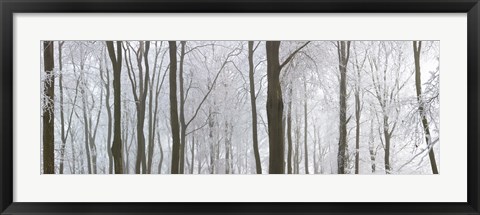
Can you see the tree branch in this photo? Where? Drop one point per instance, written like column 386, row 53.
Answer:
column 289, row 58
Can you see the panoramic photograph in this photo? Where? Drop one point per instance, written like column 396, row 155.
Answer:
column 240, row 107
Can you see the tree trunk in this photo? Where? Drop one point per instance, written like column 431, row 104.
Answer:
column 274, row 109
column 68, row 130
column 117, row 137
column 387, row 136
column 183, row 134
column 93, row 133
column 289, row 130
column 64, row 135
column 211, row 138
column 141, row 164
column 74, row 165
column 64, row 131
column 421, row 108
column 126, row 138
column 152, row 111
column 343, row 55
column 86, row 129
column 173, row 108
column 315, row 142
column 192, row 153
column 227, row 150
column 160, row 163
column 200, row 163
column 371, row 147
column 109, row 120
column 297, row 145
column 48, row 110
column 109, row 132
column 306, row 126
column 357, row 140
column 253, row 102
column 153, row 127
column 151, row 131
column 357, row 126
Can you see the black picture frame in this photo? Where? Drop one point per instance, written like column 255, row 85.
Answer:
column 9, row 7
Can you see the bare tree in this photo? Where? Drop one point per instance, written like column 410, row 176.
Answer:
column 305, row 120
column 289, row 129
column 371, row 148
column 183, row 125
column 358, row 105
column 86, row 122
column 417, row 48
column 117, row 137
column 386, row 94
column 343, row 49
column 253, row 101
column 174, row 109
column 275, row 106
column 105, row 76
column 298, row 153
column 48, row 109
column 64, row 131
column 139, row 90
column 154, row 93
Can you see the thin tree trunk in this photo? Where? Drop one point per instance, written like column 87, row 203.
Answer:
column 315, row 142
column 211, row 138
column 227, row 150
column 289, row 130
column 109, row 135
column 158, row 87
column 217, row 155
column 343, row 55
column 152, row 111
column 200, row 162
column 48, row 110
column 173, row 108
column 357, row 143
column 64, row 131
column 386, row 134
column 232, row 170
column 160, row 163
column 372, row 147
column 141, row 164
column 253, row 102
column 151, row 135
column 421, row 108
column 183, row 126
column 126, row 136
column 192, row 151
column 109, row 120
column 74, row 160
column 151, row 129
column 306, row 126
column 117, row 137
column 64, row 135
column 357, row 126
column 93, row 134
column 284, row 131
column 297, row 145
column 86, row 130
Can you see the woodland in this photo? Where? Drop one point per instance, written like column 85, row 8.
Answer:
column 240, row 107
